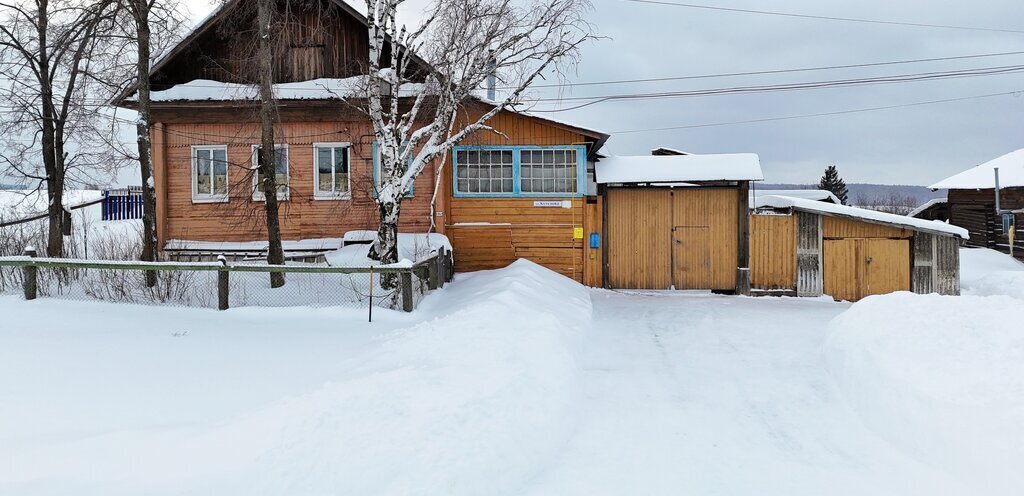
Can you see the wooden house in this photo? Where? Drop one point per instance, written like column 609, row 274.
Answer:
column 676, row 221
column 518, row 194
column 810, row 248
column 971, row 201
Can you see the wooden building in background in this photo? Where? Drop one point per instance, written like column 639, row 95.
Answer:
column 971, row 202
column 809, row 248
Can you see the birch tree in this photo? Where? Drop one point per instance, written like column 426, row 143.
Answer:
column 49, row 55
column 439, row 67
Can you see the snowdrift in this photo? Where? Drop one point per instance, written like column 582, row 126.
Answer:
column 476, row 399
column 940, row 377
column 987, row 272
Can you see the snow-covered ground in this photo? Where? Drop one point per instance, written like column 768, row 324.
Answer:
column 519, row 381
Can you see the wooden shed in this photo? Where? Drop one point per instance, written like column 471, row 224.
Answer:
column 808, row 248
column 676, row 221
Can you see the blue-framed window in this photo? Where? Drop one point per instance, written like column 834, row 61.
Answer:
column 512, row 171
column 377, row 174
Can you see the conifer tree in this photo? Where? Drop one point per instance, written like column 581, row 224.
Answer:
column 832, row 182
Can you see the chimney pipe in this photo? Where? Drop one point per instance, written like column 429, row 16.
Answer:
column 999, row 209
column 492, row 76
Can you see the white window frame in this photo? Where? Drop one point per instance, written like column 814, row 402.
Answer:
column 198, row 197
column 257, row 192
column 320, row 195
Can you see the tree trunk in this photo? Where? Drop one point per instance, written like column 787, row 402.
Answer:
column 385, row 248
column 267, row 159
column 149, row 241
column 48, row 142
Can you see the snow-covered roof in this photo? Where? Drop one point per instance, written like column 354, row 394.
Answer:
column 806, row 194
column 862, row 214
column 679, row 168
column 1011, row 174
column 316, row 89
column 930, row 203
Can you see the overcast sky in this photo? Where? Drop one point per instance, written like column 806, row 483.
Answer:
column 916, row 145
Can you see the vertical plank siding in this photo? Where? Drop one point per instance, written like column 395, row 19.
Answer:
column 706, row 247
column 947, row 265
column 773, row 252
column 639, row 238
column 593, row 262
column 925, row 273
column 808, row 255
column 840, row 228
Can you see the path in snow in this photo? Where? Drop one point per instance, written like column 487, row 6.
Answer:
column 695, row 394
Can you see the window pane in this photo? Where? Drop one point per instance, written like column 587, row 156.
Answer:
column 341, row 183
column 203, row 168
column 341, row 160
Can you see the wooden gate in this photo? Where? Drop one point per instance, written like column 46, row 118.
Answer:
column 860, row 267
column 684, row 238
column 773, row 252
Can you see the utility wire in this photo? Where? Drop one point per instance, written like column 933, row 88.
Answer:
column 890, row 79
column 827, row 18
column 820, row 114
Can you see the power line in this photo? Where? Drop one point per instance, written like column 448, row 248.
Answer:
column 828, row 18
column 890, row 79
column 820, row 114
column 776, row 71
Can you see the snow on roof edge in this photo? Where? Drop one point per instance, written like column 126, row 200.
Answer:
column 1011, row 174
column 926, row 205
column 865, row 215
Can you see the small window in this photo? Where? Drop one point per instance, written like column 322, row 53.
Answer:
column 377, row 175
column 485, row 171
column 280, row 172
column 331, row 171
column 209, row 174
column 548, row 171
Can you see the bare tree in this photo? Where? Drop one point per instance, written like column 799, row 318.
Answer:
column 267, row 156
column 142, row 15
column 439, row 66
column 50, row 54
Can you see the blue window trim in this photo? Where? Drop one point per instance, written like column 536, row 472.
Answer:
column 376, row 166
column 581, row 172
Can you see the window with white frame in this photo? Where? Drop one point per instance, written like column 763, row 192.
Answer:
column 209, row 173
column 518, row 170
column 485, row 171
column 280, row 172
column 331, row 170
column 548, row 171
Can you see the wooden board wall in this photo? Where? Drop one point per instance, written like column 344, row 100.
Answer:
column 974, row 210
column 773, row 252
column 302, row 216
column 639, row 237
column 859, row 267
column 936, row 264
column 709, row 215
column 841, row 228
column 661, row 237
column 593, row 261
column 490, row 233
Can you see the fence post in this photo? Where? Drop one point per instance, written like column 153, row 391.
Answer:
column 407, row 303
column 433, row 274
column 222, row 283
column 441, row 277
column 30, row 272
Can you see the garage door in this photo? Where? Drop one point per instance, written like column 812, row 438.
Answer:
column 660, row 238
column 857, row 268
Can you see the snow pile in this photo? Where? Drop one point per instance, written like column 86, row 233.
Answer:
column 412, row 248
column 1011, row 174
column 940, row 377
column 15, row 204
column 475, row 400
column 985, row 272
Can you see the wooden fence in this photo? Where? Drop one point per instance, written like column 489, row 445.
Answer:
column 435, row 270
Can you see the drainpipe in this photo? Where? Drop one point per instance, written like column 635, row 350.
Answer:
column 999, row 210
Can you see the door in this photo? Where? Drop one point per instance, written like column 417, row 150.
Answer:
column 691, row 257
column 857, row 268
column 639, row 238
